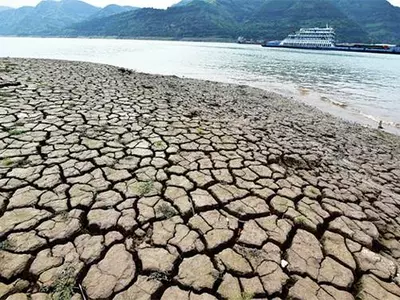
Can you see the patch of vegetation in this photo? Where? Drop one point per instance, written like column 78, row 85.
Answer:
column 4, row 245
column 159, row 145
column 63, row 287
column 143, row 188
column 243, row 296
column 200, row 131
column 7, row 162
column 301, row 220
column 16, row 132
column 167, row 210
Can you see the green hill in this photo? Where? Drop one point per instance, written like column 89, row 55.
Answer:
column 110, row 10
column 354, row 20
column 197, row 19
column 261, row 19
column 378, row 17
column 52, row 17
column 276, row 18
column 47, row 18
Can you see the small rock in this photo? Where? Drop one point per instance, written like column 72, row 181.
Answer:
column 284, row 263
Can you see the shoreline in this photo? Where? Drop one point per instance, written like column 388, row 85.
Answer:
column 324, row 100
column 169, row 39
column 163, row 187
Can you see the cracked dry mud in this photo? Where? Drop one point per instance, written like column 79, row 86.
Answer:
column 121, row 185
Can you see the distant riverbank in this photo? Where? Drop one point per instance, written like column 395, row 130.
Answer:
column 138, row 38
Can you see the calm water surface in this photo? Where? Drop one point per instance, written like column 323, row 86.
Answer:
column 360, row 87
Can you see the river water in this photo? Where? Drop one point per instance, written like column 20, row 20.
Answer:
column 360, row 87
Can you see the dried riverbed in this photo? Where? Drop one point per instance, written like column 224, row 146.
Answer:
column 121, row 185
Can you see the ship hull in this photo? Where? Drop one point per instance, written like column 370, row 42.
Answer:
column 336, row 48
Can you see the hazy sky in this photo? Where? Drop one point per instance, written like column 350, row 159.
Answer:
column 140, row 3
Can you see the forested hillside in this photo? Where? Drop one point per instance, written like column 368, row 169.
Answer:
column 354, row 20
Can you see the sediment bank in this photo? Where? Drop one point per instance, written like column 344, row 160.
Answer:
column 121, row 185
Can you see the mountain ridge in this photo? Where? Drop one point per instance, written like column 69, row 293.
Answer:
column 257, row 19
column 112, row 9
column 354, row 20
column 46, row 18
column 52, row 18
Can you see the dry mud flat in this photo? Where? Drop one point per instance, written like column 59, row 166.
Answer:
column 119, row 185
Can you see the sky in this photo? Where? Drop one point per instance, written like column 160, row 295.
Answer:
column 139, row 3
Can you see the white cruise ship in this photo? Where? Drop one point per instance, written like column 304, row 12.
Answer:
column 325, row 39
column 311, row 38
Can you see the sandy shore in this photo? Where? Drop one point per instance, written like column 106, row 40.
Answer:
column 121, row 185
